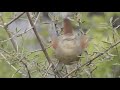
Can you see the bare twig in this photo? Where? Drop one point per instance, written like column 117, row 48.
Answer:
column 29, row 75
column 93, row 70
column 89, row 62
column 15, row 73
column 39, row 50
column 14, row 19
column 37, row 18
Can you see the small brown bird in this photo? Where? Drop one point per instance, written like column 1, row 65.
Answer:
column 69, row 46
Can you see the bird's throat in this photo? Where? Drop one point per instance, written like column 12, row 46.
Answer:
column 67, row 27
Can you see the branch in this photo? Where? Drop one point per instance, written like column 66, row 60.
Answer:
column 89, row 62
column 38, row 38
column 40, row 42
column 12, row 65
column 14, row 19
column 16, row 35
column 29, row 75
column 9, row 34
column 28, row 72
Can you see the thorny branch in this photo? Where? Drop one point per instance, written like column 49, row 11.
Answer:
column 42, row 46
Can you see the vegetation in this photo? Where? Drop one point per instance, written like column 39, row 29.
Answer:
column 23, row 55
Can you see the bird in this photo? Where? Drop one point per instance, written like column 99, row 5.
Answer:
column 69, row 46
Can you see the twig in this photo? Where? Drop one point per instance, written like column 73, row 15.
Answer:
column 37, row 18
column 12, row 65
column 40, row 42
column 47, row 70
column 93, row 70
column 20, row 61
column 39, row 39
column 29, row 75
column 89, row 62
column 55, row 24
column 9, row 34
column 15, row 73
column 115, row 42
column 14, row 19
column 40, row 49
column 16, row 35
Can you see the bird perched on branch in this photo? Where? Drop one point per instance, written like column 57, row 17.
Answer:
column 69, row 46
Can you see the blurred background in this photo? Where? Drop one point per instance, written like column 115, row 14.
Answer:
column 102, row 27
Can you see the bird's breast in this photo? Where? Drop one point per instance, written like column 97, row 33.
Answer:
column 68, row 50
column 68, row 47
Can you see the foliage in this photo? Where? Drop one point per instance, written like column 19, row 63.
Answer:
column 29, row 56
